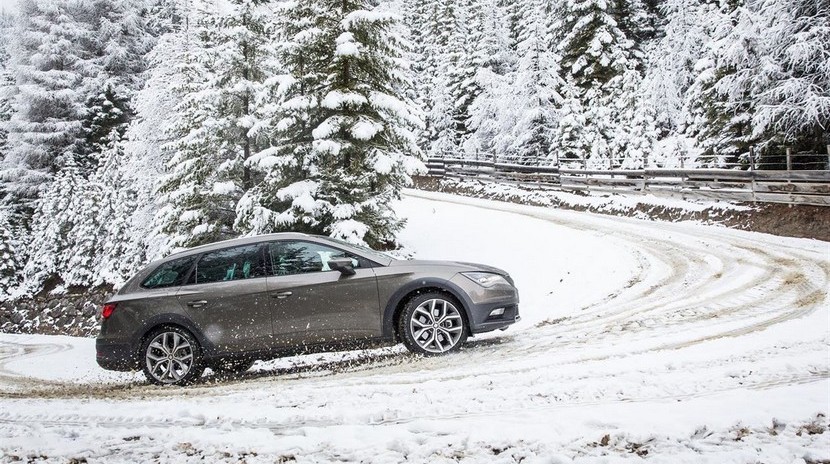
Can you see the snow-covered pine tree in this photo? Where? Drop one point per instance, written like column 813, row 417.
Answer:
column 538, row 88
column 10, row 271
column 78, row 63
column 445, row 83
column 343, row 146
column 638, row 20
column 50, row 68
column 792, row 84
column 725, row 84
column 571, row 136
column 516, row 115
column 6, row 82
column 416, row 16
column 7, row 90
column 464, row 64
column 107, row 115
column 105, row 251
column 11, row 255
column 496, row 61
column 122, row 249
column 671, row 60
column 50, row 247
column 493, row 49
column 281, row 198
column 593, row 48
column 168, row 16
column 54, row 61
column 170, row 70
column 108, row 198
column 513, row 13
column 216, row 122
column 595, row 53
column 635, row 136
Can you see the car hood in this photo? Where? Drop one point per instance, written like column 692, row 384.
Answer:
column 462, row 266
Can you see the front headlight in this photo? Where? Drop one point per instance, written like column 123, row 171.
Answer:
column 486, row 279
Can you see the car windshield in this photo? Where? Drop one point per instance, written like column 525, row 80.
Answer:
column 373, row 254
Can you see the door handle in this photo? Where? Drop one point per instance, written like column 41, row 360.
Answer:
column 281, row 295
column 197, row 303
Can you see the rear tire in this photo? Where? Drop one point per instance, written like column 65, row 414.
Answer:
column 432, row 324
column 171, row 356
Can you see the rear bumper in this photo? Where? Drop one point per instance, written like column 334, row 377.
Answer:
column 115, row 356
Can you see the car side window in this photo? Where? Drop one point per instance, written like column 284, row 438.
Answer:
column 243, row 262
column 297, row 257
column 169, row 274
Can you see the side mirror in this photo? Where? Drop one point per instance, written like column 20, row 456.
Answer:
column 344, row 265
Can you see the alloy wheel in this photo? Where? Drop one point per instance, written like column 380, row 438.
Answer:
column 436, row 325
column 169, row 357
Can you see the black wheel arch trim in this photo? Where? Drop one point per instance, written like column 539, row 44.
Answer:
column 388, row 327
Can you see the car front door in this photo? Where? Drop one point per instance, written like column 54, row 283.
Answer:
column 312, row 303
column 227, row 298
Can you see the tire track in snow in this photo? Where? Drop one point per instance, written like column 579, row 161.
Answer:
column 662, row 296
column 292, row 425
column 15, row 352
column 692, row 288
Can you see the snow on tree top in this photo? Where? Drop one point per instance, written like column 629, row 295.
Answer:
column 346, row 45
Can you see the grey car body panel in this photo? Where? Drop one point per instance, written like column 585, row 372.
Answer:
column 325, row 309
column 236, row 314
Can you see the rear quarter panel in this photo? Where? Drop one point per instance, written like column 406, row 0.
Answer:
column 138, row 312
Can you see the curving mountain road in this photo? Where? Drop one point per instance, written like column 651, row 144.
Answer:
column 670, row 338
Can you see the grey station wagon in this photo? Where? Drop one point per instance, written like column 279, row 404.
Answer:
column 224, row 305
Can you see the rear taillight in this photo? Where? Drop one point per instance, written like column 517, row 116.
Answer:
column 108, row 309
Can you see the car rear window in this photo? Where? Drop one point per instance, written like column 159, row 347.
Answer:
column 243, row 262
column 169, row 274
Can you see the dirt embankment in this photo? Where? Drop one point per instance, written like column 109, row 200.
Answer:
column 777, row 219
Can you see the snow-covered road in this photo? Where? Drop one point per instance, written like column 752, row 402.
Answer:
column 675, row 342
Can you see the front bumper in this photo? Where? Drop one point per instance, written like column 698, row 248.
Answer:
column 115, row 356
column 481, row 321
column 481, row 301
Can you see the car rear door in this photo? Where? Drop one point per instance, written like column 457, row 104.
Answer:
column 312, row 303
column 227, row 298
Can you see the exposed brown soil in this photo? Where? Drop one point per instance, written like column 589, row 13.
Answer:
column 777, row 219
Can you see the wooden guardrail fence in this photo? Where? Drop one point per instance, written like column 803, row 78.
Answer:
column 802, row 187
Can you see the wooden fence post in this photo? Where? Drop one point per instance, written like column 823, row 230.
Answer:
column 789, row 159
column 751, row 158
column 828, row 157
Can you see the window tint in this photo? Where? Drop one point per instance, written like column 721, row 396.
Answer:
column 295, row 257
column 169, row 274
column 237, row 263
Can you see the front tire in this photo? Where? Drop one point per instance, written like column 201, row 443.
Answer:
column 171, row 356
column 432, row 324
